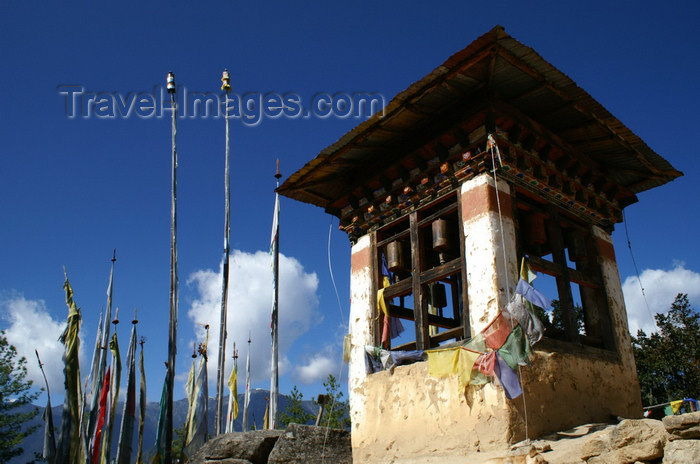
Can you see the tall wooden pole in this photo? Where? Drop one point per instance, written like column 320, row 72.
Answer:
column 172, row 339
column 219, row 417
column 275, row 250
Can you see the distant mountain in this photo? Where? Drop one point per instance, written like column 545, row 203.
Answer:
column 256, row 413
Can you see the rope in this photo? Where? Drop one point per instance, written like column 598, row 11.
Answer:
column 491, row 146
column 345, row 326
column 636, row 270
column 330, row 269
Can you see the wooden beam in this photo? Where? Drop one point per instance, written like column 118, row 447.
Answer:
column 464, row 315
column 420, row 309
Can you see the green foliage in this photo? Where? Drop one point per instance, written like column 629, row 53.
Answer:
column 15, row 391
column 668, row 362
column 555, row 324
column 337, row 412
column 294, row 411
column 179, row 440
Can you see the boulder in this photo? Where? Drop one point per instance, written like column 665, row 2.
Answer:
column 682, row 452
column 597, row 444
column 238, row 448
column 683, row 426
column 308, row 444
column 634, row 440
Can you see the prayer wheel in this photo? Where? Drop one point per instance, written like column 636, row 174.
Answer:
column 440, row 238
column 438, row 295
column 395, row 256
column 576, row 244
column 536, row 230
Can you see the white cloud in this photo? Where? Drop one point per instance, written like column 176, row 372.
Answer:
column 661, row 287
column 249, row 309
column 317, row 368
column 32, row 327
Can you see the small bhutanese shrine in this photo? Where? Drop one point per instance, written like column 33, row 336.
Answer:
column 486, row 300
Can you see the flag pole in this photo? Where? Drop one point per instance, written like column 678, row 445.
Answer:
column 142, row 403
column 49, row 451
column 274, row 382
column 232, row 412
column 219, row 416
column 246, row 397
column 172, row 340
column 102, row 363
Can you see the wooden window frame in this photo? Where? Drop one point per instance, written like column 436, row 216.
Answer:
column 587, row 275
column 452, row 271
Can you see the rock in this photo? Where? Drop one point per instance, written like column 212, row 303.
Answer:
column 228, row 461
column 684, row 426
column 307, row 444
column 682, row 452
column 597, row 445
column 231, row 448
column 634, row 440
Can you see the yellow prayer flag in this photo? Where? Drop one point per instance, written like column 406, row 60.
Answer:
column 233, row 393
column 525, row 272
column 676, row 405
column 266, row 420
column 381, row 304
column 452, row 361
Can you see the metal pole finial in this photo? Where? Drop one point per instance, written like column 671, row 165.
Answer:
column 225, row 81
column 170, row 82
column 277, row 174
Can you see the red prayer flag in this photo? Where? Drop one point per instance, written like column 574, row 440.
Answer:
column 385, row 331
column 486, row 363
column 497, row 332
column 100, row 420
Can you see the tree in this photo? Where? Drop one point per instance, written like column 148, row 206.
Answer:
column 294, row 411
column 668, row 361
column 554, row 324
column 179, row 441
column 336, row 413
column 15, row 392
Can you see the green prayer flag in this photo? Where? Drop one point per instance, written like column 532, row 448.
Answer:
column 516, row 348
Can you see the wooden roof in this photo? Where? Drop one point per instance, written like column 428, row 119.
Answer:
column 498, row 82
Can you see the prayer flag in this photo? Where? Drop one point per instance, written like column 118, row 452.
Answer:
column 457, row 361
column 246, row 397
column 516, row 349
column 486, row 363
column 496, row 333
column 68, row 449
column 198, row 434
column 525, row 272
column 104, row 393
column 232, row 413
column 142, row 407
column 507, row 378
column 101, row 365
column 532, row 295
column 190, row 392
column 274, row 326
column 49, row 453
column 676, row 405
column 266, row 419
column 160, row 432
column 114, row 395
column 521, row 310
column 476, row 343
column 126, row 431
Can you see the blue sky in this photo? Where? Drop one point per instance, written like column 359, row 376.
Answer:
column 72, row 190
